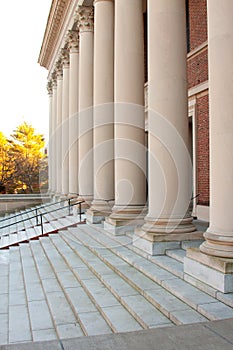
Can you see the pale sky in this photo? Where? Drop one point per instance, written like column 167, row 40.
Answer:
column 23, row 81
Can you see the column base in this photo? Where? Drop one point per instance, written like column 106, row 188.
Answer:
column 218, row 244
column 124, row 219
column 98, row 211
column 87, row 201
column 156, row 236
column 214, row 271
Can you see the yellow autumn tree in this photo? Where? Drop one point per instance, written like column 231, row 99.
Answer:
column 7, row 167
column 27, row 153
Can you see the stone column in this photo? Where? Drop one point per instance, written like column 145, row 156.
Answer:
column 213, row 264
column 59, row 130
column 130, row 153
column 50, row 174
column 103, row 113
column 86, row 30
column 170, row 169
column 73, row 38
column 53, row 135
column 65, row 123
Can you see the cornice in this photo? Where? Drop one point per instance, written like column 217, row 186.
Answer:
column 56, row 19
column 60, row 20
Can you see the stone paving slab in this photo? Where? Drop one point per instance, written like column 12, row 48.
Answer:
column 187, row 317
column 4, row 328
column 69, row 330
column 177, row 254
column 197, row 337
column 94, row 323
column 189, row 294
column 173, row 266
column 145, row 311
column 120, row 319
column 216, row 310
column 19, row 324
column 39, row 315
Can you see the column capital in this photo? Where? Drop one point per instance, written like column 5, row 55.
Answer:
column 50, row 87
column 65, row 57
column 73, row 40
column 54, row 79
column 85, row 18
column 58, row 68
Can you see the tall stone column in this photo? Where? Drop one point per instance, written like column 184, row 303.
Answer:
column 169, row 170
column 50, row 174
column 73, row 37
column 103, row 112
column 130, row 153
column 213, row 264
column 59, row 130
column 65, row 123
column 53, row 134
column 86, row 32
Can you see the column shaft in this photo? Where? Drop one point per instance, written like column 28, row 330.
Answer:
column 65, row 127
column 103, row 113
column 59, row 135
column 129, row 128
column 219, row 236
column 169, row 163
column 73, row 115
column 53, row 136
column 86, row 17
column 50, row 174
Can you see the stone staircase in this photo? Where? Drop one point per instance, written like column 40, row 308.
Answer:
column 84, row 281
column 25, row 226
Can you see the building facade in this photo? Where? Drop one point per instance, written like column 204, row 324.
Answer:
column 141, row 122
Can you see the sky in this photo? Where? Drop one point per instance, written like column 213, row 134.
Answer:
column 23, row 93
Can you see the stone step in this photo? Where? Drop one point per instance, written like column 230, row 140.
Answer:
column 88, row 316
column 143, row 285
column 4, row 296
column 189, row 294
column 34, row 232
column 64, row 321
column 19, row 322
column 105, row 296
column 177, row 254
column 39, row 313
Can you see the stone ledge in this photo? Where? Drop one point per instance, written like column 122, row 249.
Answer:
column 223, row 265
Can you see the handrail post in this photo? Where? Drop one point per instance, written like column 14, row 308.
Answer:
column 80, row 211
column 37, row 221
column 41, row 224
column 69, row 205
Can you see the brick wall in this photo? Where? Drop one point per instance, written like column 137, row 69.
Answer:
column 203, row 149
column 197, row 68
column 197, row 22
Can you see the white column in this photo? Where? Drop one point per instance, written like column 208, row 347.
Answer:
column 219, row 236
column 86, row 30
column 130, row 153
column 50, row 174
column 53, row 135
column 65, row 123
column 212, row 264
column 170, row 169
column 103, row 113
column 73, row 112
column 59, row 130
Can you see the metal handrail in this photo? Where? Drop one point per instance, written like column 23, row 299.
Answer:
column 34, row 209
column 79, row 203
